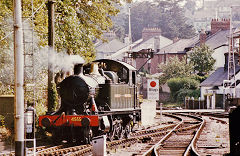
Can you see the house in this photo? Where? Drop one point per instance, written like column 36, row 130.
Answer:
column 105, row 49
column 151, row 39
column 217, row 39
column 213, row 90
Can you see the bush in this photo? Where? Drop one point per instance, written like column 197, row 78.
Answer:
column 40, row 109
column 2, row 121
column 183, row 84
column 199, row 78
column 182, row 93
column 4, row 132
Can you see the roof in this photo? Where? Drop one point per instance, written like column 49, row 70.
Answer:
column 216, row 78
column 140, row 44
column 149, row 44
column 122, row 51
column 218, row 39
column 111, row 46
column 179, row 46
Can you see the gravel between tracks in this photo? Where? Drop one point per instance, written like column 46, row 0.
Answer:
column 138, row 148
column 214, row 139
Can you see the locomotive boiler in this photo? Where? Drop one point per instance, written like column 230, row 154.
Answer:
column 100, row 98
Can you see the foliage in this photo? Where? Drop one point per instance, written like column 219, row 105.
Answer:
column 53, row 98
column 175, row 68
column 4, row 132
column 199, row 78
column 190, row 5
column 167, row 15
column 2, row 121
column 182, row 86
column 182, row 93
column 5, row 24
column 40, row 109
column 79, row 23
column 202, row 60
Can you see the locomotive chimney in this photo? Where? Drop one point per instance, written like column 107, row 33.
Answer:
column 78, row 69
column 94, row 69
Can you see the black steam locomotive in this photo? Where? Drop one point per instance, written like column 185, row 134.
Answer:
column 100, row 98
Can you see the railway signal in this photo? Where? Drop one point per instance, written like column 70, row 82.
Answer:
column 153, row 89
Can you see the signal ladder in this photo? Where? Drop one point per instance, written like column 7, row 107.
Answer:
column 29, row 70
column 231, row 58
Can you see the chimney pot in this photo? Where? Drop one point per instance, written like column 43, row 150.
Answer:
column 202, row 37
column 150, row 32
column 217, row 25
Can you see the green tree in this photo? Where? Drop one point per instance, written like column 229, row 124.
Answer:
column 202, row 60
column 5, row 25
column 181, row 87
column 167, row 15
column 77, row 24
column 175, row 68
column 190, row 5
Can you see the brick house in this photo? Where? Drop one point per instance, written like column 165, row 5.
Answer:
column 216, row 39
column 212, row 89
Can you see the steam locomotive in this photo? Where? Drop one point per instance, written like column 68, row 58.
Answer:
column 99, row 99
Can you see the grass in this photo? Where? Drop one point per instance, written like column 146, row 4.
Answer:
column 172, row 105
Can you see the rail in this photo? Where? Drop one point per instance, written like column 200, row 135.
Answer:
column 191, row 148
column 153, row 151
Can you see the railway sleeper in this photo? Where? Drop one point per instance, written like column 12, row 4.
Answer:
column 171, row 152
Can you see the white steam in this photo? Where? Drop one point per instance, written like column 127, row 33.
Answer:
column 62, row 61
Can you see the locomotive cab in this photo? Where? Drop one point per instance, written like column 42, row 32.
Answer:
column 120, row 92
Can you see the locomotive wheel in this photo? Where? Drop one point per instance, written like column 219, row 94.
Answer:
column 127, row 131
column 118, row 131
column 110, row 135
column 88, row 136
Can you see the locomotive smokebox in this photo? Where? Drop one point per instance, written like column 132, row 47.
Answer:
column 78, row 69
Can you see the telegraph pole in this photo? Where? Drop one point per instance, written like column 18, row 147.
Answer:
column 51, row 18
column 19, row 80
column 130, row 29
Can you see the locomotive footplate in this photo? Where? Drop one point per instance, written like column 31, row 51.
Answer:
column 68, row 120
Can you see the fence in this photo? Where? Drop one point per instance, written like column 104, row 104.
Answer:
column 195, row 104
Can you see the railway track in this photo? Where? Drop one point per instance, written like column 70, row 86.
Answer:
column 181, row 139
column 142, row 136
column 158, row 141
column 214, row 139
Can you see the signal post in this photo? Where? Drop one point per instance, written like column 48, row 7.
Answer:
column 19, row 80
